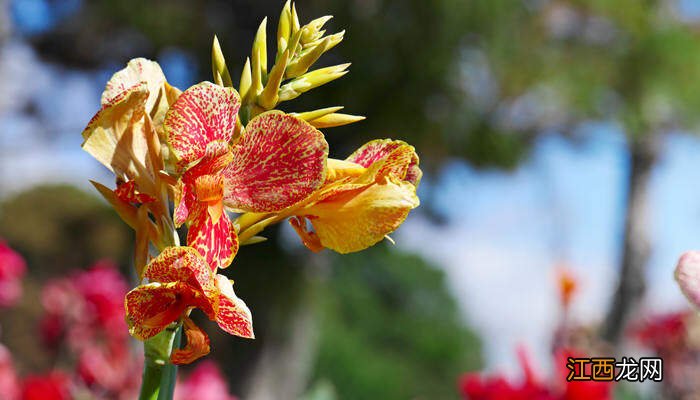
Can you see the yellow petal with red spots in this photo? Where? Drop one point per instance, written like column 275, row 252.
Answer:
column 151, row 308
column 352, row 220
column 202, row 114
column 137, row 71
column 142, row 71
column 374, row 150
column 197, row 344
column 233, row 315
column 278, row 161
column 389, row 157
column 216, row 241
column 181, row 264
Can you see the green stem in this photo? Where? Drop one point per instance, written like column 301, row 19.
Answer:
column 159, row 375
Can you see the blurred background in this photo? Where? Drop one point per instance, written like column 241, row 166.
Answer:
column 558, row 141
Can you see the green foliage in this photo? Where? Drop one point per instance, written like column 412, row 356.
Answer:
column 390, row 330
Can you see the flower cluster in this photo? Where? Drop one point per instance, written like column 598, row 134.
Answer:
column 229, row 164
column 84, row 315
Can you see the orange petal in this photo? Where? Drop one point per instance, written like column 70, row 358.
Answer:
column 151, row 308
column 197, row 344
column 233, row 315
column 210, row 191
column 202, row 114
column 308, row 237
column 278, row 161
column 216, row 241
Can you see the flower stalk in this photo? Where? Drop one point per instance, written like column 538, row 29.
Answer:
column 159, row 374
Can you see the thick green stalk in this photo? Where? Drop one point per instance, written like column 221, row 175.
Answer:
column 159, row 375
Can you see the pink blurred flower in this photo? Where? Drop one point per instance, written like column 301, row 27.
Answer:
column 9, row 383
column 204, row 382
column 12, row 269
column 85, row 307
column 85, row 315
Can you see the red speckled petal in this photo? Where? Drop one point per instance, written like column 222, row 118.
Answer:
column 216, row 156
column 233, row 315
column 181, row 264
column 202, row 114
column 185, row 202
column 217, row 241
column 278, row 161
column 127, row 192
column 150, row 308
column 197, row 344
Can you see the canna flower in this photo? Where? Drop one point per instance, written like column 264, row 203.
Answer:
column 275, row 162
column 365, row 197
column 180, row 279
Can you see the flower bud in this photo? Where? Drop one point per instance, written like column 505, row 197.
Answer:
column 688, row 276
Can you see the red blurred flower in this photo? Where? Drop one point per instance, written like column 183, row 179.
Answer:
column 662, row 332
column 12, row 269
column 204, row 382
column 474, row 386
column 52, row 386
